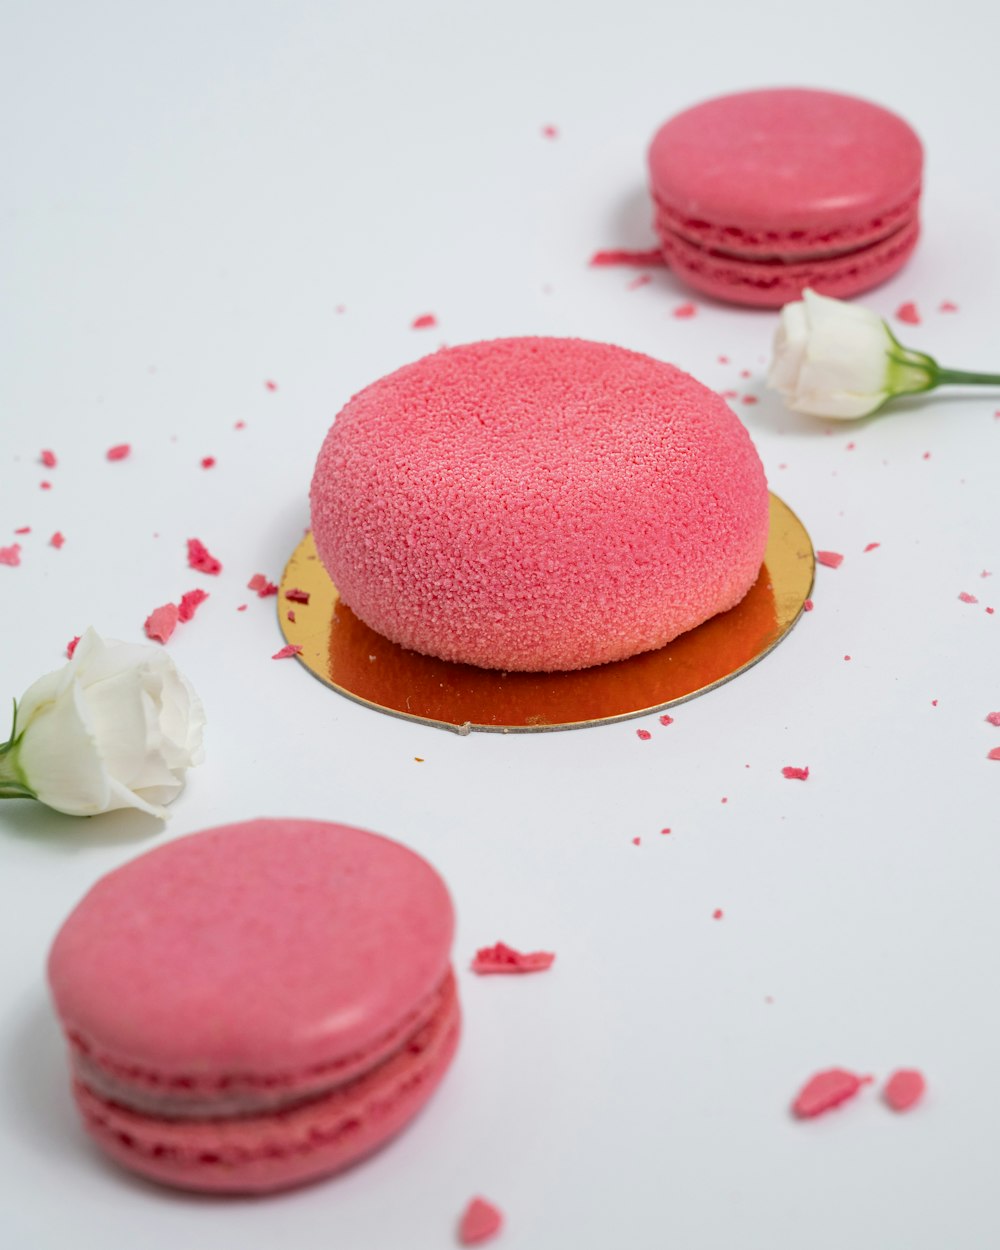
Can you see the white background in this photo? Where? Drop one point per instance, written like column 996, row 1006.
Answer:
column 189, row 193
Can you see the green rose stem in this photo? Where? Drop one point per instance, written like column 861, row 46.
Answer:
column 911, row 372
column 961, row 377
column 13, row 783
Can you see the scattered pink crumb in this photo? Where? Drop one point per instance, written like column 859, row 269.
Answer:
column 994, row 754
column 11, row 555
column 287, row 651
column 162, row 622
column 749, row 399
column 908, row 313
column 240, row 425
column 967, row 598
column 71, row 646
column 637, row 841
column 119, row 451
column 503, row 958
column 262, row 586
column 44, row 485
column 990, row 611
column 993, row 718
column 808, row 605
column 666, row 720
column 48, row 458
column 831, row 559
column 947, row 306
column 684, row 311
column 643, row 735
column 297, row 596
column 242, row 607
column 827, row 1090
column 480, row 1221
column 271, row 386
column 190, row 601
column 934, row 702
column 927, row 455
column 626, row 256
column 985, row 573
column 208, row 462
column 667, row 830
column 642, row 280
column 717, row 914
column 56, row 540
column 872, row 546
column 847, row 657
column 23, row 529
column 729, row 394
column 341, row 308
column 851, row 446
column 290, row 615
column 795, row 774
column 426, row 321
column 723, row 360
column 904, row 1089
column 201, row 559
column 550, row 132
column 724, row 800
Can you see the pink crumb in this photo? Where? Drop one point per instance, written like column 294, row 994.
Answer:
column 808, row 605
column 795, row 774
column 684, row 311
column 749, row 399
column 827, row 1090
column 666, row 720
column 872, row 546
column 119, row 451
column 287, row 652
column 189, row 603
column 11, row 555
column 48, row 458
column 262, row 586
column 44, row 485
column 643, row 735
column 271, row 386
column 290, row 615
column 724, row 800
column 729, row 394
column 71, row 646
column 201, row 559
column 994, row 754
column 967, row 598
column 993, row 718
column 208, row 462
column 904, row 1089
column 162, row 622
column 550, row 132
column 240, row 425
column 642, row 280
column 851, row 446
column 23, row 529
column 831, row 559
column 425, row 321
column 503, row 958
column 908, row 313
column 847, row 657
column 723, row 360
column 927, row 455
column 934, row 702
column 242, row 607
column 297, row 596
column 667, row 830
column 717, row 914
column 637, row 841
column 947, row 306
column 990, row 611
column 626, row 256
column 480, row 1221
column 56, row 540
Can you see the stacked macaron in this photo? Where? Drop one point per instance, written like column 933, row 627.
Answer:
column 761, row 194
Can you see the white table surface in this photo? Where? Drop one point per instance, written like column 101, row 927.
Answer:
column 190, row 193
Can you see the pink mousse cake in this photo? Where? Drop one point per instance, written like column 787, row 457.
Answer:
column 761, row 194
column 538, row 504
column 257, row 1005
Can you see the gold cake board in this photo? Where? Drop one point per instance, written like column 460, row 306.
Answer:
column 355, row 661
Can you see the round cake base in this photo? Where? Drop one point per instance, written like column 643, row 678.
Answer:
column 355, row 661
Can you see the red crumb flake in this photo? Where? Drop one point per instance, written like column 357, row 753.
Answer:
column 749, row 399
column 242, row 607
column 637, row 841
column 990, row 611
column 56, row 540
column 240, row 425
column 119, row 451
column 504, row 958
column 190, row 602
column 847, row 657
column 723, row 360
column 270, row 385
column 985, row 573
column 480, row 1221
column 904, row 1089
column 261, row 585
column 45, row 485
column 724, row 800
column 745, row 373
column 934, row 702
column 642, row 280
column 729, row 394
column 626, row 256
column 643, row 735
column 994, row 754
column 808, row 606
column 208, row 462
column 831, row 559
column 908, row 313
column 947, row 306
column 287, row 652
column 71, row 646
column 993, row 718
column 667, row 830
column 872, row 546
column 827, row 1090
column 967, row 598
column 426, row 321
column 927, row 455
column 666, row 720
column 851, row 446
column 11, row 555
column 162, row 622
column 684, row 311
column 290, row 615
column 795, row 774
column 297, row 596
column 717, row 914
column 550, row 132
column 48, row 458
column 23, row 529
column 201, row 559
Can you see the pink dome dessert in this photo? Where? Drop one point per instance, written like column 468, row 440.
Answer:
column 538, row 504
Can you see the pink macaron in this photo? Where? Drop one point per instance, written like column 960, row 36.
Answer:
column 257, row 1005
column 763, row 193
column 538, row 504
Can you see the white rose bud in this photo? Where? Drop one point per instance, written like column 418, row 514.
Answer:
column 118, row 726
column 833, row 359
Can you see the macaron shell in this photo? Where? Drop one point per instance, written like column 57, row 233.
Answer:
column 267, row 954
column 256, row 1154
